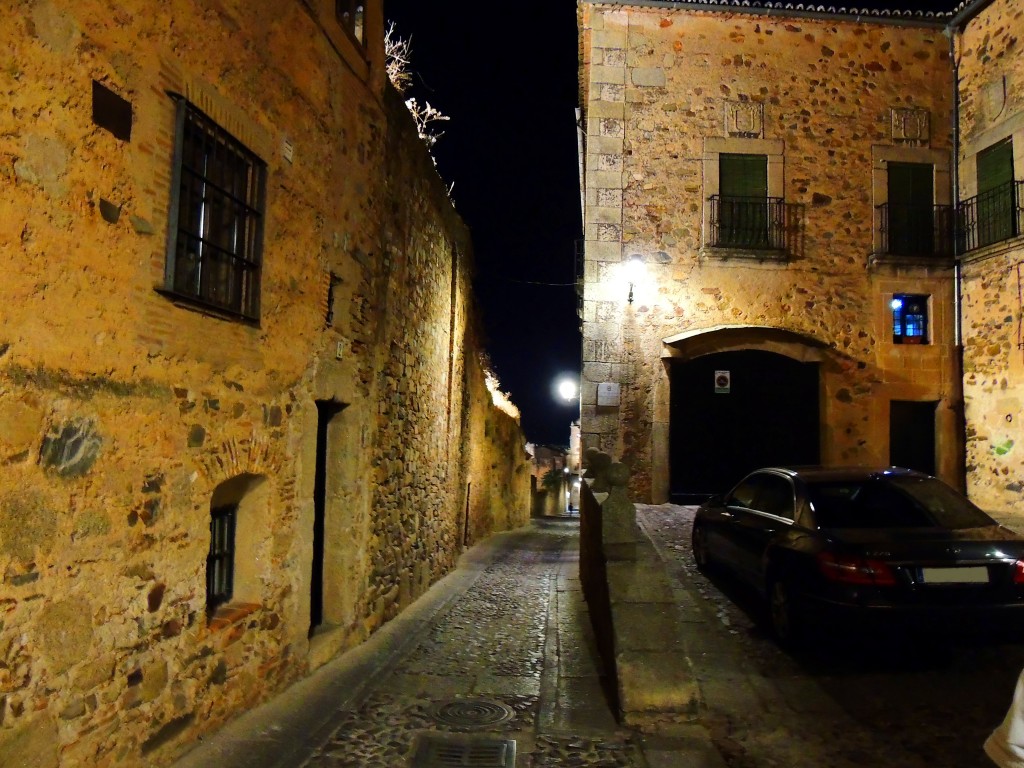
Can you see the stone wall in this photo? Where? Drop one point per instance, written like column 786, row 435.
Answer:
column 124, row 414
column 991, row 89
column 666, row 92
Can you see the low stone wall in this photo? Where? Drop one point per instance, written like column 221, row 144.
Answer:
column 632, row 608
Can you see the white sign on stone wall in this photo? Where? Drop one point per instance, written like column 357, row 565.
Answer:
column 723, row 382
column 607, row 393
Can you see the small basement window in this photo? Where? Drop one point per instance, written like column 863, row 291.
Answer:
column 220, row 562
column 909, row 319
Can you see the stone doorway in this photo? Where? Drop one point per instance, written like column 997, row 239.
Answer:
column 731, row 412
column 326, row 411
column 912, row 434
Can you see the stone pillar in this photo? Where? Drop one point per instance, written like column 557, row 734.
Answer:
column 619, row 530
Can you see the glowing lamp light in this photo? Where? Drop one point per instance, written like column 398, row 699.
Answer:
column 567, row 389
column 634, row 271
column 896, row 304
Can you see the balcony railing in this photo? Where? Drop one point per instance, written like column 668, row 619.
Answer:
column 749, row 223
column 990, row 217
column 916, row 230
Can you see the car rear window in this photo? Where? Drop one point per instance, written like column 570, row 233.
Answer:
column 893, row 501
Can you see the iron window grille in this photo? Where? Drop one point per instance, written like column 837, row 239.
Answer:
column 916, row 230
column 215, row 238
column 351, row 16
column 756, row 223
column 909, row 319
column 991, row 216
column 220, row 562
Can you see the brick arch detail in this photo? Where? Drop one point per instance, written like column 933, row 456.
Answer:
column 256, row 454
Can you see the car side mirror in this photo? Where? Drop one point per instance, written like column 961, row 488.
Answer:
column 717, row 500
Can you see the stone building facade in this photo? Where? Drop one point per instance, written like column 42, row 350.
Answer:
column 243, row 418
column 783, row 307
column 990, row 69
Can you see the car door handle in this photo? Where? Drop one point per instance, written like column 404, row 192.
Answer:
column 730, row 515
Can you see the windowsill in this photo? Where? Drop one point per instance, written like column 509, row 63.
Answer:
column 230, row 614
column 726, row 253
column 885, row 259
column 197, row 305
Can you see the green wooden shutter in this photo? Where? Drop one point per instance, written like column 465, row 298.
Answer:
column 996, row 220
column 743, row 201
column 911, row 211
column 743, row 175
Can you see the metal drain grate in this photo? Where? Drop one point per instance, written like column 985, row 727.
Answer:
column 436, row 750
column 473, row 713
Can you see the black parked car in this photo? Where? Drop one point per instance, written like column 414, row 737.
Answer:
column 864, row 548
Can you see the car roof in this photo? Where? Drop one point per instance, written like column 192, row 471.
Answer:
column 817, row 474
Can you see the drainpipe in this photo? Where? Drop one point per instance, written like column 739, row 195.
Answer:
column 951, row 31
column 579, row 151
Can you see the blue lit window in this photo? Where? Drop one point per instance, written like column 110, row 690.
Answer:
column 909, row 319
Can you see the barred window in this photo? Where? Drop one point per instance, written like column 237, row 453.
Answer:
column 220, row 562
column 217, row 209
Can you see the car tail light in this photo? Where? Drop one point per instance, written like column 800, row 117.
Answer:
column 1018, row 572
column 851, row 569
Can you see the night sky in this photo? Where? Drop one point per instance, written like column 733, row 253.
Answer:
column 507, row 77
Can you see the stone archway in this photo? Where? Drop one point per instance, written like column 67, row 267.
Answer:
column 739, row 397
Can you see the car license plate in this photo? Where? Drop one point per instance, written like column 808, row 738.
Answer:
column 965, row 575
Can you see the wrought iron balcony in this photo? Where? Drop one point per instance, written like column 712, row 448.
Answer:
column 916, row 230
column 748, row 223
column 991, row 217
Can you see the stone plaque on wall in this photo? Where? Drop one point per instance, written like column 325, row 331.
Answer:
column 993, row 98
column 744, row 119
column 608, row 394
column 911, row 125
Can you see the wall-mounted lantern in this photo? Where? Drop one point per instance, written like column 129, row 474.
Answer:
column 634, row 271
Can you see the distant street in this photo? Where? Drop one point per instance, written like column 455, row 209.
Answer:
column 850, row 707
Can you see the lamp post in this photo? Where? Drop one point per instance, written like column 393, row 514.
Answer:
column 568, row 390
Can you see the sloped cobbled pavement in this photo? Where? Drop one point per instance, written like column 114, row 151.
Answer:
column 510, row 659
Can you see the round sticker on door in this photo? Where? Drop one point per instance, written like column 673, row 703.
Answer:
column 723, row 381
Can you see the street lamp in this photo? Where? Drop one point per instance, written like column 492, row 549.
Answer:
column 568, row 390
column 634, row 271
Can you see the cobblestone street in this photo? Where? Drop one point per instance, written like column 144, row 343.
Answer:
column 501, row 651
column 481, row 666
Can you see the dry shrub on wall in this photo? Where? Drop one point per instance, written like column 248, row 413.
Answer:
column 398, row 53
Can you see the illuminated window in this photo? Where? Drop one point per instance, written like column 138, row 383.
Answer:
column 217, row 209
column 909, row 319
column 350, row 15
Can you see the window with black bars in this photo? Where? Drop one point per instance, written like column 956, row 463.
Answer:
column 909, row 319
column 220, row 562
column 351, row 17
column 217, row 213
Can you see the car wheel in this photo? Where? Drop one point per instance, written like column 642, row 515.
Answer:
column 784, row 614
column 699, row 542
